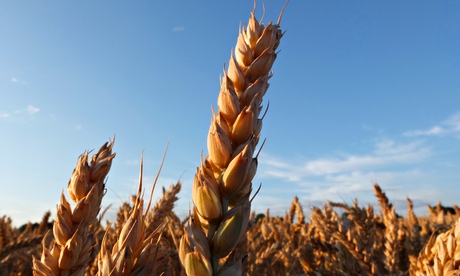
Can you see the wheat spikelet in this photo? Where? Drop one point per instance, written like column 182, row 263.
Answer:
column 163, row 207
column 223, row 182
column 73, row 242
column 395, row 255
column 136, row 252
column 296, row 210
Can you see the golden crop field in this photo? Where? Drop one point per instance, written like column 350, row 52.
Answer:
column 359, row 241
column 222, row 236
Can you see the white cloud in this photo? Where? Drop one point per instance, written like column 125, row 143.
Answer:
column 386, row 153
column 433, row 131
column 31, row 110
column 21, row 114
column 345, row 177
column 449, row 126
column 14, row 79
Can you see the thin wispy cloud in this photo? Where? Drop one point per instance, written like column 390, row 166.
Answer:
column 17, row 81
column 31, row 110
column 20, row 114
column 178, row 29
column 4, row 115
column 344, row 177
column 449, row 126
column 433, row 131
column 385, row 153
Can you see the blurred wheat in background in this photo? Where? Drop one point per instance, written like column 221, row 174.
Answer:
column 222, row 236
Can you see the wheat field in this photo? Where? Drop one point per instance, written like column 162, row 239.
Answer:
column 222, row 236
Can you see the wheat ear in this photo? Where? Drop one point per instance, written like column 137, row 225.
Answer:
column 223, row 182
column 73, row 243
column 163, row 207
column 136, row 251
column 441, row 255
column 394, row 236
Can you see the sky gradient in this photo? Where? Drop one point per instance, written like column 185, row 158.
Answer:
column 362, row 92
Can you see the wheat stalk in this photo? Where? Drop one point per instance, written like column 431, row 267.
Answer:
column 223, row 182
column 73, row 243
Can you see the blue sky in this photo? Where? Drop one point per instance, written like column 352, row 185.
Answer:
column 362, row 92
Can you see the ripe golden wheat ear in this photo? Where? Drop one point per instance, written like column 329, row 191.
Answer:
column 441, row 255
column 223, row 183
column 73, row 243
